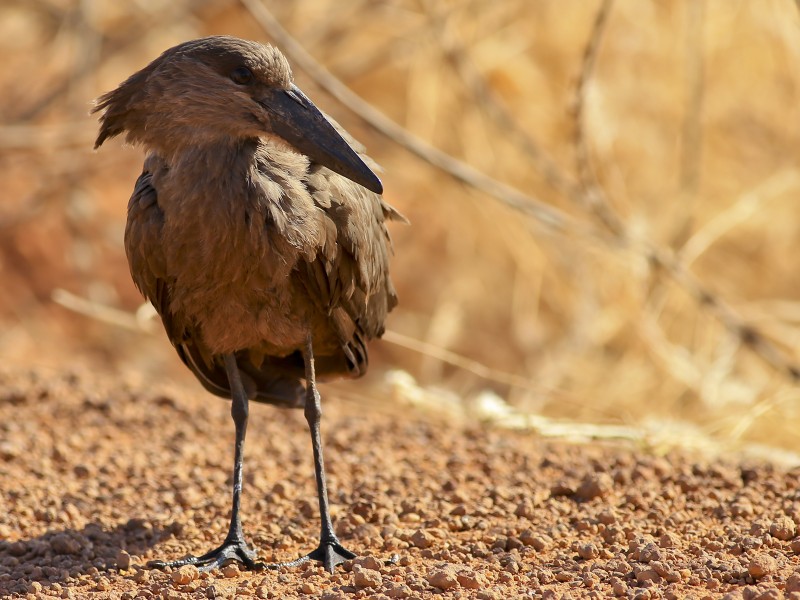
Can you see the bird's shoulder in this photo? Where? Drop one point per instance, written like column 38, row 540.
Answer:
column 144, row 242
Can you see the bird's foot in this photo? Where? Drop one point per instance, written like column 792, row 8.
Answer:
column 230, row 550
column 329, row 552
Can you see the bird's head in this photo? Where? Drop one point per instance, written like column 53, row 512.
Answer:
column 223, row 88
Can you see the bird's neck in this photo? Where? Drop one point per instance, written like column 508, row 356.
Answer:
column 205, row 185
column 253, row 192
column 215, row 169
column 214, row 159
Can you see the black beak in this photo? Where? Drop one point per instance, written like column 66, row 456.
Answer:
column 299, row 122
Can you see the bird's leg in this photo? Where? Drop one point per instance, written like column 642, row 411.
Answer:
column 329, row 552
column 234, row 547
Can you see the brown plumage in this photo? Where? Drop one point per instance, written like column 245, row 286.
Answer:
column 257, row 230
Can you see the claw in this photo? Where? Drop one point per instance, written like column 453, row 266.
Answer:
column 330, row 553
column 215, row 559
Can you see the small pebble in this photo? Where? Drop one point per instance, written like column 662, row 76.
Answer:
column 422, row 539
column 368, row 562
column 783, row 528
column 588, row 551
column 213, row 592
column 366, row 578
column 793, row 583
column 618, row 587
column 262, row 592
column 308, row 588
column 762, row 564
column 525, row 509
column 646, row 575
column 230, row 571
column 562, row 488
column 607, row 517
column 650, row 552
column 18, row 548
column 185, row 574
column 536, row 541
column 443, row 578
column 596, row 485
column 65, row 544
column 467, row 578
column 123, row 560
column 668, row 540
column 399, row 590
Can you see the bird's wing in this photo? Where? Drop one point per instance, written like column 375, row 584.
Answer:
column 349, row 276
column 144, row 248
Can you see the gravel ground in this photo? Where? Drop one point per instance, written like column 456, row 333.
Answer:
column 97, row 477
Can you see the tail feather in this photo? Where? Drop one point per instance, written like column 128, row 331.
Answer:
column 276, row 382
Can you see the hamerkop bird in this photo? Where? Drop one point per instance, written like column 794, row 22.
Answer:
column 258, row 232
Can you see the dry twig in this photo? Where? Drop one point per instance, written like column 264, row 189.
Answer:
column 462, row 362
column 593, row 197
column 101, row 312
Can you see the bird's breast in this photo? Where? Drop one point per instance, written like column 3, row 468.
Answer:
column 233, row 237
column 232, row 280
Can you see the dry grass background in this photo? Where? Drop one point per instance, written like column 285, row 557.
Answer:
column 674, row 165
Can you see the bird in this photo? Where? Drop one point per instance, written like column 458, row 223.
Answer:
column 258, row 231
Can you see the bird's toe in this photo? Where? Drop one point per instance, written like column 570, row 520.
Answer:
column 330, row 553
column 215, row 559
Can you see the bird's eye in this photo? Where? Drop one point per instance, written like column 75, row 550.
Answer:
column 242, row 75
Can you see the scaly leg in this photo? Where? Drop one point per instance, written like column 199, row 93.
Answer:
column 329, row 552
column 234, row 547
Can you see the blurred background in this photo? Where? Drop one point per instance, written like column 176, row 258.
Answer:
column 641, row 276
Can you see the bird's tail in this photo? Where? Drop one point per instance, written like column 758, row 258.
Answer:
column 273, row 382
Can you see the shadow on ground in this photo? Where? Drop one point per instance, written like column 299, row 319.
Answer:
column 59, row 557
